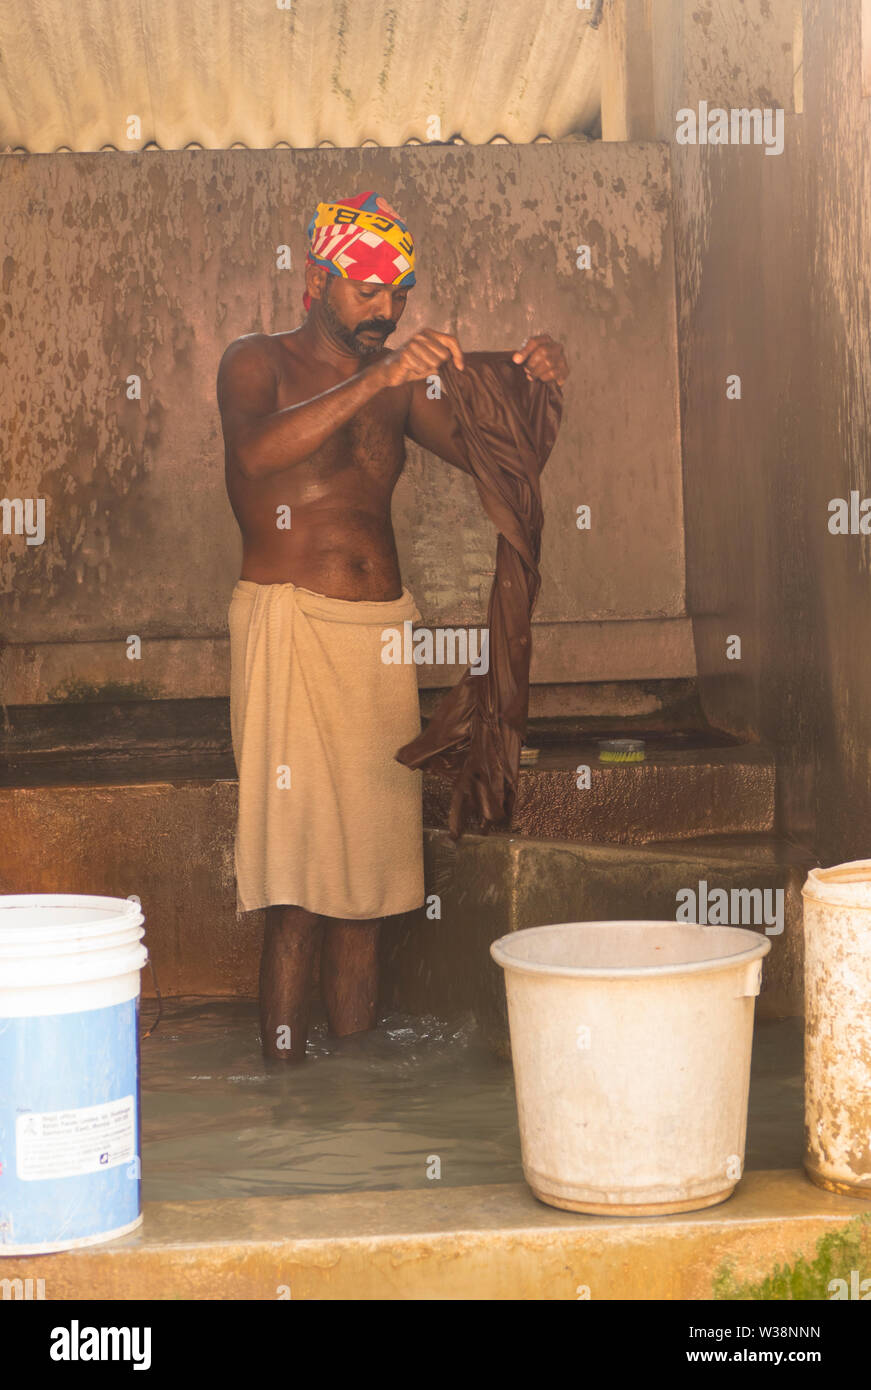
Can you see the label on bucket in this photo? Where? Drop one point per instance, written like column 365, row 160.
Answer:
column 67, row 1143
column 69, row 1126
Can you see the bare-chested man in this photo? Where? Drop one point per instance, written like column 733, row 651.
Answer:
column 314, row 421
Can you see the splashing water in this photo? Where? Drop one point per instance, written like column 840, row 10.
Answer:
column 377, row 1110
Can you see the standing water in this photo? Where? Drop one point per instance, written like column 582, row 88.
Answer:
column 370, row 1111
column 413, row 1103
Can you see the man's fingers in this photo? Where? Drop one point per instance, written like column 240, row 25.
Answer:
column 546, row 362
column 422, row 363
column 541, row 363
column 423, row 356
column 528, row 347
column 448, row 341
column 441, row 346
column 431, row 354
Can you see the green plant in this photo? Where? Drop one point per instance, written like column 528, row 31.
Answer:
column 839, row 1255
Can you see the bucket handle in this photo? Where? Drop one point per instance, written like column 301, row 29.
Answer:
column 148, row 1032
column 751, row 980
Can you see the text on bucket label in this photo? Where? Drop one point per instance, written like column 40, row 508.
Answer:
column 67, row 1143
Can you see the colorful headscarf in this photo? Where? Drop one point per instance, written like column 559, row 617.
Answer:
column 361, row 238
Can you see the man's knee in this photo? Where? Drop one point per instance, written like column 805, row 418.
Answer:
column 289, row 917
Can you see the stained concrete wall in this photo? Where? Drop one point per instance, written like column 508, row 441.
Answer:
column 774, row 283
column 150, row 264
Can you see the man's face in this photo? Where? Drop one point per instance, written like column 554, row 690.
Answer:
column 361, row 316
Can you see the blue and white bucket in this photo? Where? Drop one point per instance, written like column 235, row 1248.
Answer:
column 69, row 1070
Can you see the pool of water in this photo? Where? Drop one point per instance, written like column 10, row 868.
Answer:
column 416, row 1098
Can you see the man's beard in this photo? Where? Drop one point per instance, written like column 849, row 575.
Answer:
column 349, row 337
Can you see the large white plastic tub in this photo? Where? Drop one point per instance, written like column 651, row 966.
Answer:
column 631, row 1046
column 837, row 1021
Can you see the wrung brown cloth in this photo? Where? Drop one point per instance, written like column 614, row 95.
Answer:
column 505, row 427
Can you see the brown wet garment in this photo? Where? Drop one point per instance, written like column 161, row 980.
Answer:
column 505, row 427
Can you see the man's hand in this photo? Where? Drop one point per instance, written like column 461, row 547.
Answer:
column 421, row 356
column 543, row 359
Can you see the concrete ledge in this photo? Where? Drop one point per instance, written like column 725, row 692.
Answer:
column 445, row 1244
column 671, row 795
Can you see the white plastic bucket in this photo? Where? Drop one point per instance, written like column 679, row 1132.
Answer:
column 69, row 1070
column 631, row 1047
column 837, row 1054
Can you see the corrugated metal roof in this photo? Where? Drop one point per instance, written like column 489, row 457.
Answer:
column 219, row 73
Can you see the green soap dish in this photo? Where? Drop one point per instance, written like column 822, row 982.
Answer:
column 622, row 750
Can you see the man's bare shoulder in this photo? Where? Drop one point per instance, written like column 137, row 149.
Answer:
column 249, row 372
column 289, row 341
column 250, row 347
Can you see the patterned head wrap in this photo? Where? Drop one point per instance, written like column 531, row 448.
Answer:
column 361, row 238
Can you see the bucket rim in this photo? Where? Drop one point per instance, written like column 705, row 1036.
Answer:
column 758, row 946
column 16, row 945
column 830, row 885
column 111, row 915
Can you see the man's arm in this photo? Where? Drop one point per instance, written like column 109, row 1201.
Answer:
column 430, row 424
column 265, row 440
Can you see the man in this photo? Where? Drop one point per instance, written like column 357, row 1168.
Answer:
column 329, row 838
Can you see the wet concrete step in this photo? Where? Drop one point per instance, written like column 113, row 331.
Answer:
column 484, row 1242
column 686, row 786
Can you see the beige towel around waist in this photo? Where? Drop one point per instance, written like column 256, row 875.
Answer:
column 312, row 704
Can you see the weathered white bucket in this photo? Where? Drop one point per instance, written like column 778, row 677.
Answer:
column 631, row 1047
column 69, row 1070
column 837, row 1057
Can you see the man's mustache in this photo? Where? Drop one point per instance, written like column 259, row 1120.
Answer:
column 384, row 326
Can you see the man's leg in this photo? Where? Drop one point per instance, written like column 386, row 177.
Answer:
column 289, row 943
column 349, row 974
